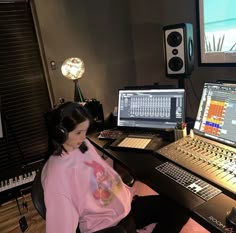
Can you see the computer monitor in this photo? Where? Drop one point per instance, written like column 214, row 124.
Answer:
column 151, row 108
column 216, row 117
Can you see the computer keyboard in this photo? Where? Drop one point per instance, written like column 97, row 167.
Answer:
column 189, row 181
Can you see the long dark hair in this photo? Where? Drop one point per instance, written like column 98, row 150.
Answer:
column 62, row 120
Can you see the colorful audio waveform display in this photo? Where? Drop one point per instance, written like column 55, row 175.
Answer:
column 214, row 118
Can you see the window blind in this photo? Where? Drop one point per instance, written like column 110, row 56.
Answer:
column 23, row 90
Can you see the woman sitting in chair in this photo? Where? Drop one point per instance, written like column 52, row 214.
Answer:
column 81, row 188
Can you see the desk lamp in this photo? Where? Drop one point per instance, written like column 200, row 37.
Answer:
column 73, row 69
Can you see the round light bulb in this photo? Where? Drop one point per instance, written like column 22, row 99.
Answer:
column 73, row 68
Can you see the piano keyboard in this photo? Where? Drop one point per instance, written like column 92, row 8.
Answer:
column 16, row 181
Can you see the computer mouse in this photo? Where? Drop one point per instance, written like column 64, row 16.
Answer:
column 231, row 216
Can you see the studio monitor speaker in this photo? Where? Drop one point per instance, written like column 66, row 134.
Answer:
column 179, row 51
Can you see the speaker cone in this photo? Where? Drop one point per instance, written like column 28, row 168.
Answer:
column 175, row 63
column 174, row 39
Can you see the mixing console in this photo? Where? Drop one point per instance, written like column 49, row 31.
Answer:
column 211, row 160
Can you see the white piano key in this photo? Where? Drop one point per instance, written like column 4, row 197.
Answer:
column 17, row 181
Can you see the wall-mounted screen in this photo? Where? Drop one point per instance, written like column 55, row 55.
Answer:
column 217, row 31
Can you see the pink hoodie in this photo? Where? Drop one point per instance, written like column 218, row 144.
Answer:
column 83, row 188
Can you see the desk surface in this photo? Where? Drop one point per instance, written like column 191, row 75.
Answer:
column 141, row 165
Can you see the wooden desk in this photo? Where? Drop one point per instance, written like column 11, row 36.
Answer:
column 141, row 165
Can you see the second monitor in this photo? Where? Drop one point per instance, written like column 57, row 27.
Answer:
column 151, row 109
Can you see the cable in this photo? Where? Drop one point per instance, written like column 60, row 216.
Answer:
column 22, row 221
column 14, row 137
column 194, row 91
column 18, row 206
column 189, row 102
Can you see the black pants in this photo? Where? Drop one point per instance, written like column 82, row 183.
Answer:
column 170, row 217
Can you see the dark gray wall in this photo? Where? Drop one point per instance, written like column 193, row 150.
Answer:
column 121, row 44
column 148, row 18
column 98, row 32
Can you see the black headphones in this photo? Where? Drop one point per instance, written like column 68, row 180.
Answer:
column 59, row 132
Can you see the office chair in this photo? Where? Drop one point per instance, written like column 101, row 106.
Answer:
column 37, row 196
